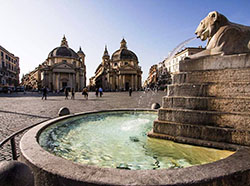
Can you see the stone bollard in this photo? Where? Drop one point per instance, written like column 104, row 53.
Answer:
column 155, row 106
column 15, row 173
column 63, row 111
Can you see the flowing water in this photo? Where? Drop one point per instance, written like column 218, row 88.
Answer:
column 119, row 140
column 179, row 47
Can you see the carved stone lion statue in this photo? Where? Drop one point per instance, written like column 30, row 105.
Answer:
column 224, row 37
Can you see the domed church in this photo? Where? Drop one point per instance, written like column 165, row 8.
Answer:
column 64, row 68
column 120, row 72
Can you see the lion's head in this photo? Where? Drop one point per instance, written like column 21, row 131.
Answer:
column 209, row 25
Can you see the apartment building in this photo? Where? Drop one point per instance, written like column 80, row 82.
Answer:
column 9, row 69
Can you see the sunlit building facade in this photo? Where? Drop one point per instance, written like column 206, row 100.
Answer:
column 9, row 69
column 172, row 64
column 120, row 72
column 63, row 68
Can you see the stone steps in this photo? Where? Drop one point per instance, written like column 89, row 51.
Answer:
column 235, row 120
column 209, row 133
column 215, row 76
column 209, row 100
column 232, row 143
column 226, row 89
column 208, row 103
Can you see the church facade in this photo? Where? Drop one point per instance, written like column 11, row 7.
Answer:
column 120, row 72
column 64, row 68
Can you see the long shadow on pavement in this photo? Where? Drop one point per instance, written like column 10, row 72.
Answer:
column 24, row 114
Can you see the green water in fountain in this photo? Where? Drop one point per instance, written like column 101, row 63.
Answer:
column 119, row 140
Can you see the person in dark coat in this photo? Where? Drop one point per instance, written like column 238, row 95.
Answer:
column 96, row 92
column 130, row 91
column 72, row 93
column 45, row 92
column 66, row 93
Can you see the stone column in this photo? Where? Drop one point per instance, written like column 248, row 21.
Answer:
column 123, row 82
column 136, row 82
column 54, row 80
column 110, row 82
column 120, row 82
column 74, row 82
column 58, row 81
column 70, row 80
column 117, row 82
column 139, row 81
column 132, row 82
column 77, row 81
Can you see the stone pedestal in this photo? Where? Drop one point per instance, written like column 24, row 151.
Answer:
column 208, row 103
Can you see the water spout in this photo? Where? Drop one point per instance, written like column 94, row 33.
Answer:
column 179, row 47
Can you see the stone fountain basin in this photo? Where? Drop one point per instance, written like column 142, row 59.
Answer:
column 52, row 170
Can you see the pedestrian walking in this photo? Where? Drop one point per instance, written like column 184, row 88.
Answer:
column 72, row 93
column 130, row 91
column 66, row 93
column 96, row 92
column 45, row 92
column 100, row 91
column 85, row 93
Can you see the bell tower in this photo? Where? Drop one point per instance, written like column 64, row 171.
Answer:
column 82, row 56
column 105, row 57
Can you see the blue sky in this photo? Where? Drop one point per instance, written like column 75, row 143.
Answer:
column 152, row 28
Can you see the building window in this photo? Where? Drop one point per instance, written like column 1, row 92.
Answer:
column 3, row 64
column 65, row 61
column 2, row 54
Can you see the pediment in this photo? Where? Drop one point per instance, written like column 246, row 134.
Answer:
column 62, row 66
column 128, row 67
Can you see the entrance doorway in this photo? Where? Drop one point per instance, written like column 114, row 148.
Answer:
column 64, row 84
column 127, row 86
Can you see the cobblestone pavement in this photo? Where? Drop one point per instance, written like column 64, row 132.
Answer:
column 20, row 110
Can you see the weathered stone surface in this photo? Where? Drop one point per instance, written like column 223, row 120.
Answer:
column 220, row 90
column 188, row 90
column 238, row 61
column 211, row 118
column 213, row 76
column 53, row 171
column 209, row 100
column 208, row 103
column 208, row 133
column 14, row 173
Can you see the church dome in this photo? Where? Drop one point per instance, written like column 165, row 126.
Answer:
column 123, row 53
column 63, row 50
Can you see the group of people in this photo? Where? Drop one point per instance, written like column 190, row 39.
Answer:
column 67, row 91
column 99, row 91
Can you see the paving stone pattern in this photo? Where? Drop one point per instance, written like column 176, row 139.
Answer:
column 19, row 110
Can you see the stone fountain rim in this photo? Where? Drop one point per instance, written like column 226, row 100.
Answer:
column 35, row 156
